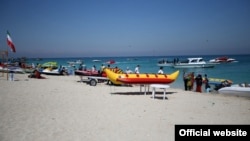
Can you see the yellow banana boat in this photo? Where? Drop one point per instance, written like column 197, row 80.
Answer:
column 145, row 78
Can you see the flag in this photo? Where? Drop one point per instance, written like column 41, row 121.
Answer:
column 10, row 43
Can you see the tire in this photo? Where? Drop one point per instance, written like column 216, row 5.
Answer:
column 92, row 82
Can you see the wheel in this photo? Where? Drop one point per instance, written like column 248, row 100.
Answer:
column 92, row 82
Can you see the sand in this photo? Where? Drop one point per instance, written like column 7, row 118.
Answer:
column 60, row 108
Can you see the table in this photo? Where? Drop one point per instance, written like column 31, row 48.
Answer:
column 145, row 87
column 160, row 86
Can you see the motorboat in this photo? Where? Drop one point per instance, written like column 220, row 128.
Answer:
column 73, row 63
column 165, row 63
column 197, row 62
column 14, row 69
column 87, row 72
column 96, row 60
column 223, row 59
column 110, row 62
column 236, row 90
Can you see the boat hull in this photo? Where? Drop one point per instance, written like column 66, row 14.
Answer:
column 141, row 78
column 165, row 64
column 235, row 91
column 194, row 65
column 11, row 69
column 87, row 72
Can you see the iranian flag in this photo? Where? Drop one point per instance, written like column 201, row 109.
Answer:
column 10, row 43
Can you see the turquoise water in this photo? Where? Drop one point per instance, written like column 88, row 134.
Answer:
column 238, row 72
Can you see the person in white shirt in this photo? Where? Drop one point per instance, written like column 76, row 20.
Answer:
column 128, row 70
column 93, row 68
column 160, row 70
column 137, row 69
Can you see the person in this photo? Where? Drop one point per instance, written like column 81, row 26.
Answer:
column 192, row 80
column 207, row 86
column 36, row 74
column 128, row 70
column 93, row 68
column 185, row 79
column 198, row 80
column 160, row 70
column 80, row 67
column 102, row 68
column 116, row 69
column 137, row 69
column 189, row 82
column 33, row 65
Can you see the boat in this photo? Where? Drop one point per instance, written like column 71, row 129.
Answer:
column 165, row 63
column 110, row 62
column 217, row 81
column 96, row 60
column 236, row 90
column 14, row 69
column 197, row 62
column 145, row 78
column 73, row 63
column 223, row 59
column 96, row 72
column 51, row 71
column 87, row 72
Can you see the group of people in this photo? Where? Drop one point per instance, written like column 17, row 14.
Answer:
column 137, row 70
column 189, row 80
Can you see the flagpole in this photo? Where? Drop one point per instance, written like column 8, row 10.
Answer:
column 7, row 54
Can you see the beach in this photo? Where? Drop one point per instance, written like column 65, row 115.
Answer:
column 60, row 108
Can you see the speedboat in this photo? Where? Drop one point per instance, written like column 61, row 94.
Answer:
column 87, row 72
column 8, row 68
column 223, row 59
column 236, row 90
column 165, row 63
column 197, row 62
column 72, row 63
column 110, row 62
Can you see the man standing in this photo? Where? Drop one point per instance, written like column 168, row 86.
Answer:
column 185, row 79
column 137, row 69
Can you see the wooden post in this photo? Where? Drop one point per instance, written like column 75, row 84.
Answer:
column 4, row 53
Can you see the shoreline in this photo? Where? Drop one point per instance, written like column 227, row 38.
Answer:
column 61, row 108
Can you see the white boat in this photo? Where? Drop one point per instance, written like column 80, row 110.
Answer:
column 197, row 62
column 12, row 69
column 96, row 60
column 72, row 63
column 236, row 90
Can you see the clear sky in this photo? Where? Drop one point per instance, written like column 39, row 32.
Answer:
column 92, row 28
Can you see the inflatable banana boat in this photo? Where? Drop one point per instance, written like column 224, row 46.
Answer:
column 145, row 78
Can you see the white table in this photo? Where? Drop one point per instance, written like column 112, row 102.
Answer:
column 160, row 86
column 145, row 87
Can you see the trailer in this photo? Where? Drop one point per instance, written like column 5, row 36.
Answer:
column 93, row 80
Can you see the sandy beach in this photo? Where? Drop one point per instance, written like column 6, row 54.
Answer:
column 59, row 108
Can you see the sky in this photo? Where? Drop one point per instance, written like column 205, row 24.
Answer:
column 103, row 28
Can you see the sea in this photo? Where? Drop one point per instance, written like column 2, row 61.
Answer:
column 237, row 72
